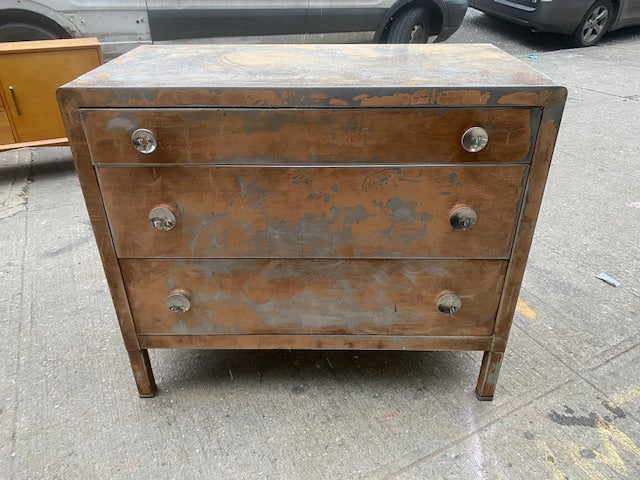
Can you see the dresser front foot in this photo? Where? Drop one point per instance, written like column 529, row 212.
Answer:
column 142, row 373
column 488, row 378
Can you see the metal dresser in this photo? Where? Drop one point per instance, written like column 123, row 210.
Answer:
column 314, row 196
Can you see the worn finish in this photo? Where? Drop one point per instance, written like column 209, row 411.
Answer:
column 30, row 73
column 228, row 212
column 317, row 342
column 488, row 377
column 276, row 67
column 320, row 136
column 323, row 196
column 314, row 296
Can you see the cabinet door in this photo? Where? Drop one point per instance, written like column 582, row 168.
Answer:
column 6, row 135
column 29, row 82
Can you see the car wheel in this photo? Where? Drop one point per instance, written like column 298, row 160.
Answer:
column 594, row 24
column 410, row 26
column 20, row 31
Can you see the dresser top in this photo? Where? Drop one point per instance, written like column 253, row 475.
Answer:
column 313, row 75
column 462, row 65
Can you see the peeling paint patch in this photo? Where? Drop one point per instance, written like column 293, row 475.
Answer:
column 250, row 190
column 121, row 123
column 319, row 196
column 453, row 179
column 402, row 212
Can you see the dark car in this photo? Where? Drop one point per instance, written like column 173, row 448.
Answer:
column 585, row 21
column 121, row 25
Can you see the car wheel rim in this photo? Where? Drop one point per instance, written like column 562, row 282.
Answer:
column 417, row 34
column 594, row 25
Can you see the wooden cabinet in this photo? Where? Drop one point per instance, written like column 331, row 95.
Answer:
column 30, row 73
column 316, row 197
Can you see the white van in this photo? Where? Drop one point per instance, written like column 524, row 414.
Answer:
column 123, row 24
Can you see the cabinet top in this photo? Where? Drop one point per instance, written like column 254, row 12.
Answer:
column 162, row 74
column 48, row 45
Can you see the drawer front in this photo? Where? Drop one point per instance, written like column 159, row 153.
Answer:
column 270, row 136
column 318, row 212
column 261, row 296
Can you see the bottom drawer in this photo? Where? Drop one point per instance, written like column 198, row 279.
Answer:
column 298, row 296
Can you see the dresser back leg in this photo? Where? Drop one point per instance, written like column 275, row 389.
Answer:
column 489, row 371
column 142, row 373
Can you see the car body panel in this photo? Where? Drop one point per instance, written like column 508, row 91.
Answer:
column 629, row 13
column 121, row 25
column 556, row 16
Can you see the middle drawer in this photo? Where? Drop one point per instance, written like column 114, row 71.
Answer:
column 313, row 212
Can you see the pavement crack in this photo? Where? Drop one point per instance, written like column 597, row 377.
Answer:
column 624, row 97
column 475, row 432
column 21, row 319
column 575, row 372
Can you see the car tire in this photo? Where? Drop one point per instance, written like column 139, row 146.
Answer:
column 594, row 24
column 23, row 31
column 410, row 26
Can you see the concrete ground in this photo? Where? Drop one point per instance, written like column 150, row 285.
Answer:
column 568, row 399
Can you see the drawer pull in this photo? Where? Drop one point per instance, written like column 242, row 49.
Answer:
column 15, row 100
column 463, row 218
column 475, row 139
column 144, row 141
column 162, row 218
column 449, row 303
column 178, row 301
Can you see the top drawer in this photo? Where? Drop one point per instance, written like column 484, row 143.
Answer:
column 311, row 136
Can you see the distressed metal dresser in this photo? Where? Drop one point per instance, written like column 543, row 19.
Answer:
column 314, row 197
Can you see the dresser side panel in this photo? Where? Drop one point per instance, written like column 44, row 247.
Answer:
column 68, row 102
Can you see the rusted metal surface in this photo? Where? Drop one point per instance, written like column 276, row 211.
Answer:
column 318, row 342
column 528, row 216
column 461, row 66
column 377, row 297
column 319, row 136
column 337, row 76
column 489, row 371
column 307, row 157
column 309, row 212
column 142, row 372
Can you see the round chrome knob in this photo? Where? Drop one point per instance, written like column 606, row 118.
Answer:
column 178, row 301
column 475, row 139
column 144, row 140
column 162, row 218
column 463, row 218
column 449, row 303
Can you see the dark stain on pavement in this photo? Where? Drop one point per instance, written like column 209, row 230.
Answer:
column 574, row 420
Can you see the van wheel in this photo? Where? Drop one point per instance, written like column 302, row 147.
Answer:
column 410, row 26
column 21, row 31
column 594, row 24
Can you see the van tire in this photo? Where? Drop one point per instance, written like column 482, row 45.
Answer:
column 410, row 26
column 16, row 31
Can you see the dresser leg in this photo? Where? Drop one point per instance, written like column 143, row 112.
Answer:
column 142, row 373
column 489, row 371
